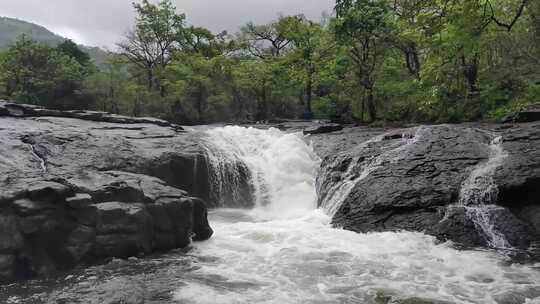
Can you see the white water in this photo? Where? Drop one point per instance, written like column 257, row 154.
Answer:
column 282, row 167
column 285, row 251
column 479, row 194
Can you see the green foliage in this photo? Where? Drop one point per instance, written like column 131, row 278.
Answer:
column 38, row 74
column 377, row 61
column 70, row 49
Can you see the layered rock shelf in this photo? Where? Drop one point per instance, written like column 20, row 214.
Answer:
column 80, row 187
column 476, row 185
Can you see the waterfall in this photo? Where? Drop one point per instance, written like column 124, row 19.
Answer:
column 286, row 251
column 359, row 168
column 478, row 194
column 280, row 167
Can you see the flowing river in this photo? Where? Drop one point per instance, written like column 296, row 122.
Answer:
column 284, row 250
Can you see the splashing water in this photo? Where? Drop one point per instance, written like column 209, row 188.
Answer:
column 305, row 260
column 480, row 188
column 478, row 194
column 282, row 167
column 286, row 251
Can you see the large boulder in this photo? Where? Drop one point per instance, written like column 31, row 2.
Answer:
column 80, row 187
column 475, row 185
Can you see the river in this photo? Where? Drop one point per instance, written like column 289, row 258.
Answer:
column 284, row 250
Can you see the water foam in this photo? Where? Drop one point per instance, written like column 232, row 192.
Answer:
column 478, row 194
column 305, row 260
column 281, row 165
column 274, row 256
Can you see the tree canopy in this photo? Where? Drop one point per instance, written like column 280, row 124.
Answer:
column 372, row 61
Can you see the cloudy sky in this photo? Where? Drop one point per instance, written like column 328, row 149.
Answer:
column 102, row 22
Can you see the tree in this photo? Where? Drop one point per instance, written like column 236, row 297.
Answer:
column 265, row 40
column 363, row 26
column 255, row 78
column 197, row 74
column 311, row 46
column 69, row 48
column 38, row 74
column 158, row 32
column 109, row 84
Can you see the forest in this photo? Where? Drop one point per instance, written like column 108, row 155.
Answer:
column 370, row 61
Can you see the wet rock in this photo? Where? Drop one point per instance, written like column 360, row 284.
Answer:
column 201, row 228
column 11, row 240
column 323, row 129
column 80, row 200
column 79, row 187
column 46, row 191
column 456, row 226
column 510, row 298
column 122, row 230
column 7, row 266
column 26, row 207
column 80, row 243
column 24, row 110
column 413, row 179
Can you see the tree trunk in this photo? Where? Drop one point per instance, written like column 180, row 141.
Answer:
column 309, row 91
column 534, row 9
column 237, row 104
column 362, row 109
column 263, row 104
column 470, row 71
column 136, row 106
column 162, row 91
column 200, row 98
column 412, row 60
column 372, row 111
column 150, row 78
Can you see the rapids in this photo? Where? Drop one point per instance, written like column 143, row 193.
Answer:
column 284, row 249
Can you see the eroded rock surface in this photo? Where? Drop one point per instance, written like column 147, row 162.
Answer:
column 477, row 185
column 81, row 188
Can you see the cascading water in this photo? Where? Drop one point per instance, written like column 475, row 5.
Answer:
column 284, row 250
column 280, row 167
column 479, row 193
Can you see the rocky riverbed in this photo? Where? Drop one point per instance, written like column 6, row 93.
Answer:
column 477, row 185
column 79, row 188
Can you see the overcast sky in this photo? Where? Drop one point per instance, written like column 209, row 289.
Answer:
column 103, row 22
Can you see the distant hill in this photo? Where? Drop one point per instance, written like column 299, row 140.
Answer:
column 11, row 29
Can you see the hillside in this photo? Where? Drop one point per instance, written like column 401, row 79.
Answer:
column 11, row 29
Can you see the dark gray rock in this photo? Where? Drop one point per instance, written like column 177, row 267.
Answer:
column 47, row 191
column 79, row 187
column 201, row 228
column 412, row 179
column 80, row 200
column 24, row 110
column 323, row 129
column 12, row 239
